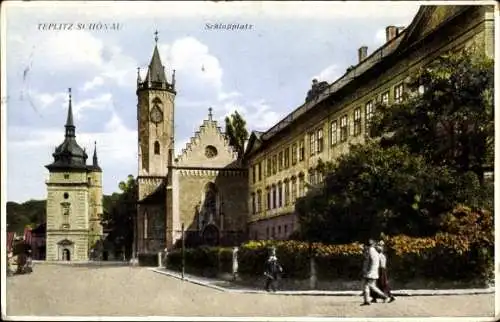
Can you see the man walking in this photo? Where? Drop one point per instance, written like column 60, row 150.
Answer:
column 383, row 281
column 371, row 267
column 272, row 271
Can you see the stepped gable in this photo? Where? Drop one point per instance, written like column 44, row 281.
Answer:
column 208, row 148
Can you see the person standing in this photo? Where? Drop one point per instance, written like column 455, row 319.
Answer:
column 272, row 271
column 371, row 267
column 235, row 263
column 383, row 281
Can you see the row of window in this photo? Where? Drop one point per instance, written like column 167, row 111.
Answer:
column 284, row 192
column 275, row 232
column 339, row 132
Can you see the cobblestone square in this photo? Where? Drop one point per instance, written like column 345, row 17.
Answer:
column 59, row 290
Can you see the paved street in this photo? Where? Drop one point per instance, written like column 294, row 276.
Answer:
column 126, row 291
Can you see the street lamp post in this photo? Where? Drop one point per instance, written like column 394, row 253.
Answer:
column 182, row 251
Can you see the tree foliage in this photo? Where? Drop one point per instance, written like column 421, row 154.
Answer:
column 119, row 215
column 236, row 132
column 452, row 122
column 30, row 213
column 373, row 190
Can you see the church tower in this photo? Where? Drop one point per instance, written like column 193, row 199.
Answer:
column 155, row 121
column 68, row 199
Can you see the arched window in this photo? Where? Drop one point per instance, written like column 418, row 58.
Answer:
column 157, row 147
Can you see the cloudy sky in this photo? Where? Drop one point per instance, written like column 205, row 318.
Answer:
column 263, row 72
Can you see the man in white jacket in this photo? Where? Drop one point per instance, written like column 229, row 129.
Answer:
column 370, row 273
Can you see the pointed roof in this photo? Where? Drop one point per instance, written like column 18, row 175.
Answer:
column 156, row 71
column 69, row 155
column 95, row 163
column 69, row 119
column 70, row 126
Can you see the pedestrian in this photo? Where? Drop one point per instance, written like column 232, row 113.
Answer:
column 165, row 257
column 235, row 263
column 272, row 271
column 371, row 273
column 383, row 281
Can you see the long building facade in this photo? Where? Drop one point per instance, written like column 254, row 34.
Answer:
column 283, row 161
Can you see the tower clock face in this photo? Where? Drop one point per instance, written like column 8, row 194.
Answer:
column 156, row 115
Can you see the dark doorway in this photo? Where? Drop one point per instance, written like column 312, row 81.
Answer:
column 211, row 235
column 66, row 255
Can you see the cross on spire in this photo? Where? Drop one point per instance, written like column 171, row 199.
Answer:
column 156, row 36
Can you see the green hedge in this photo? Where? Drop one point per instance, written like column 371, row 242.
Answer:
column 444, row 257
column 205, row 261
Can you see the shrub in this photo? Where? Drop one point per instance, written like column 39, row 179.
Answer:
column 148, row 260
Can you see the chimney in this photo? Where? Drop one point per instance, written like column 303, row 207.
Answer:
column 391, row 32
column 362, row 53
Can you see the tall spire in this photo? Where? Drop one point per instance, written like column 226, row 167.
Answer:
column 156, row 70
column 70, row 126
column 94, row 159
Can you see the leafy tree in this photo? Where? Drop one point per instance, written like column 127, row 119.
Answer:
column 374, row 189
column 30, row 213
column 236, row 132
column 447, row 113
column 119, row 215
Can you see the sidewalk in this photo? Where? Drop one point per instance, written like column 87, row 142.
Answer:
column 226, row 286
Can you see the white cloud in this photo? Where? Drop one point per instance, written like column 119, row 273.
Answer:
column 97, row 81
column 69, row 50
column 47, row 99
column 329, row 74
column 81, row 51
column 258, row 115
column 191, row 57
column 225, row 96
column 101, row 102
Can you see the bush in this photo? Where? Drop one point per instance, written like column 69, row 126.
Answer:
column 204, row 260
column 148, row 260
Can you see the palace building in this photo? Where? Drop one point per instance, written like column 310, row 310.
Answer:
column 283, row 161
column 219, row 199
column 74, row 199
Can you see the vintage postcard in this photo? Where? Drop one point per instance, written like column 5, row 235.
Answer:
column 215, row 160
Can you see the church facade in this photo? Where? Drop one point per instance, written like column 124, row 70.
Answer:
column 203, row 190
column 74, row 199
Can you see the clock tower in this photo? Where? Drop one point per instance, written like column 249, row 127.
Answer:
column 155, row 123
column 155, row 117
